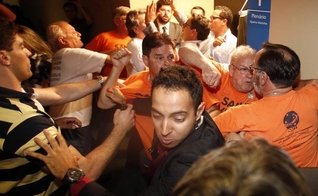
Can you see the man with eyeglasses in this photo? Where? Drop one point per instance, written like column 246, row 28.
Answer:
column 222, row 41
column 236, row 85
column 195, row 32
column 285, row 117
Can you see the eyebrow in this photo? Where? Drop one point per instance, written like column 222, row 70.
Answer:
column 171, row 114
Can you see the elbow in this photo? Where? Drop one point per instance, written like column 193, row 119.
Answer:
column 103, row 105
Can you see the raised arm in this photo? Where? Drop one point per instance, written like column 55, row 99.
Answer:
column 120, row 58
column 66, row 92
column 88, row 19
column 178, row 14
column 149, row 18
column 193, row 57
column 7, row 13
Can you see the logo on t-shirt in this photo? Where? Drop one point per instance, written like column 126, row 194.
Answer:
column 291, row 120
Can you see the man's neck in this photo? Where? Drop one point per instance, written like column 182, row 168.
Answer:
column 121, row 32
column 277, row 92
column 10, row 82
column 220, row 33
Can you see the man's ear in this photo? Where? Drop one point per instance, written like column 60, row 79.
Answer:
column 135, row 29
column 194, row 32
column 61, row 40
column 224, row 22
column 263, row 78
column 200, row 110
column 145, row 59
column 231, row 69
column 4, row 57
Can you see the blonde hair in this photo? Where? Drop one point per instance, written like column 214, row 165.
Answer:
column 33, row 41
column 244, row 168
column 121, row 11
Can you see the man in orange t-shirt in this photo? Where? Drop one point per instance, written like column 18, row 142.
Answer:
column 158, row 51
column 106, row 42
column 286, row 118
column 236, row 86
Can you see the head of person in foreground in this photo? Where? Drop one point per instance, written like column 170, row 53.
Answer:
column 244, row 168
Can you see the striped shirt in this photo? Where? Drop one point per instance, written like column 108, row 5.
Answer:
column 20, row 121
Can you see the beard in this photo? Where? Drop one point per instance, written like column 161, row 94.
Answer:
column 163, row 20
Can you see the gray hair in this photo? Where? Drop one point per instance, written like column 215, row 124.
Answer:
column 241, row 52
column 53, row 32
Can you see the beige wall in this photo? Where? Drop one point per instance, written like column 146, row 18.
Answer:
column 184, row 5
column 294, row 23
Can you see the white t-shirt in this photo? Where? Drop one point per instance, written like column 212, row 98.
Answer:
column 222, row 53
column 71, row 65
column 136, row 63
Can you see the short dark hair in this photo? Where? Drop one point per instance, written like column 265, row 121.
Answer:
column 132, row 21
column 8, row 30
column 177, row 77
column 281, row 64
column 226, row 13
column 198, row 8
column 155, row 40
column 70, row 4
column 201, row 24
column 160, row 3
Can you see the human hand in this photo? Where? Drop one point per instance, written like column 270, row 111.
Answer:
column 124, row 120
column 219, row 41
column 58, row 159
column 151, row 12
column 68, row 123
column 120, row 83
column 173, row 5
column 211, row 75
column 116, row 95
column 120, row 57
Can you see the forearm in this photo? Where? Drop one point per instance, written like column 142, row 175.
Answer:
column 103, row 101
column 7, row 13
column 192, row 56
column 180, row 17
column 96, row 161
column 66, row 92
column 301, row 83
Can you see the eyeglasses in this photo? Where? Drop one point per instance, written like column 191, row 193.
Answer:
column 186, row 25
column 216, row 17
column 244, row 70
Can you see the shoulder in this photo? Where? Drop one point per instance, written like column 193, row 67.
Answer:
column 139, row 76
column 175, row 25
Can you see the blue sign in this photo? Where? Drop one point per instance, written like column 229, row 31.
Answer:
column 258, row 21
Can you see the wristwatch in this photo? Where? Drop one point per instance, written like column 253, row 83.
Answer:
column 100, row 79
column 73, row 175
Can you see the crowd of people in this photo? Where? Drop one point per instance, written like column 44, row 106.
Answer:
column 204, row 116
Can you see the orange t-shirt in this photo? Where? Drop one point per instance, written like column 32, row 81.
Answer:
column 106, row 42
column 288, row 121
column 228, row 95
column 138, row 86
